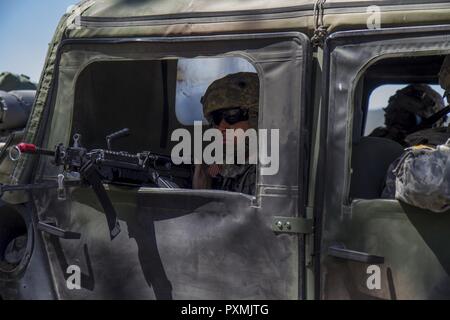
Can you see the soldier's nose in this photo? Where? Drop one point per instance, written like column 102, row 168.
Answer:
column 223, row 125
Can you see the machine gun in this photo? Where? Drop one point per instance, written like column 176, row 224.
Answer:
column 96, row 167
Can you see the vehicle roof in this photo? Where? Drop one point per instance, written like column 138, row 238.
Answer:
column 114, row 8
column 189, row 17
column 122, row 8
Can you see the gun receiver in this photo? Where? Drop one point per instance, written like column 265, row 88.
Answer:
column 97, row 167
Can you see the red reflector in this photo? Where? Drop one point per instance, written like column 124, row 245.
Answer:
column 26, row 147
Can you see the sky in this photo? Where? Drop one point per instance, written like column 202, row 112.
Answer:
column 26, row 28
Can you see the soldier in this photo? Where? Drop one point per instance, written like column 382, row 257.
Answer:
column 422, row 142
column 230, row 103
column 406, row 110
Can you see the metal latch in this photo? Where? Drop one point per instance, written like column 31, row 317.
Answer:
column 295, row 225
column 61, row 188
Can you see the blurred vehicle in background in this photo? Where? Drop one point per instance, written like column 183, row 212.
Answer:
column 17, row 94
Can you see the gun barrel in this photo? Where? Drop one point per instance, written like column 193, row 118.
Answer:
column 16, row 151
column 31, row 148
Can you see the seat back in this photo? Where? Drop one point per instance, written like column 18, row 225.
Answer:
column 371, row 158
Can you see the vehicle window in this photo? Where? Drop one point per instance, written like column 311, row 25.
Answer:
column 399, row 96
column 193, row 78
column 159, row 101
column 379, row 99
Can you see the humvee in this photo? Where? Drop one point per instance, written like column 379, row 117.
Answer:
column 318, row 229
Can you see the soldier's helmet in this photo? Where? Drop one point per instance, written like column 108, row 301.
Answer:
column 410, row 105
column 234, row 90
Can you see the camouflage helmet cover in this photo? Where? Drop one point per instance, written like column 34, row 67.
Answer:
column 422, row 178
column 418, row 99
column 234, row 90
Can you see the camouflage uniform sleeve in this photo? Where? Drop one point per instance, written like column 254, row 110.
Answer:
column 238, row 179
column 389, row 188
column 248, row 181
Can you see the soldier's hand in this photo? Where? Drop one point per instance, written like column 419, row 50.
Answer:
column 201, row 179
column 214, row 170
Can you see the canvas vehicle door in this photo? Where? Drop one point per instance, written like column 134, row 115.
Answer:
column 183, row 243
column 374, row 248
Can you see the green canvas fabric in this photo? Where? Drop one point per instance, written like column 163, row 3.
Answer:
column 127, row 8
column 121, row 8
column 410, row 239
column 145, row 18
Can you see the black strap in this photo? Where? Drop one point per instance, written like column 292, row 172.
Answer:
column 431, row 120
column 90, row 174
column 165, row 115
column 32, row 186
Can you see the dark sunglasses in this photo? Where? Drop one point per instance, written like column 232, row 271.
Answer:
column 231, row 116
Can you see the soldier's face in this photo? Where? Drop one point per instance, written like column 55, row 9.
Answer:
column 402, row 119
column 223, row 126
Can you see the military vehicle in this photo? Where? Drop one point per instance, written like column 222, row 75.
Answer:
column 17, row 95
column 10, row 81
column 317, row 229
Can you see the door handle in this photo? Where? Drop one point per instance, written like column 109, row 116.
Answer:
column 341, row 252
column 51, row 228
